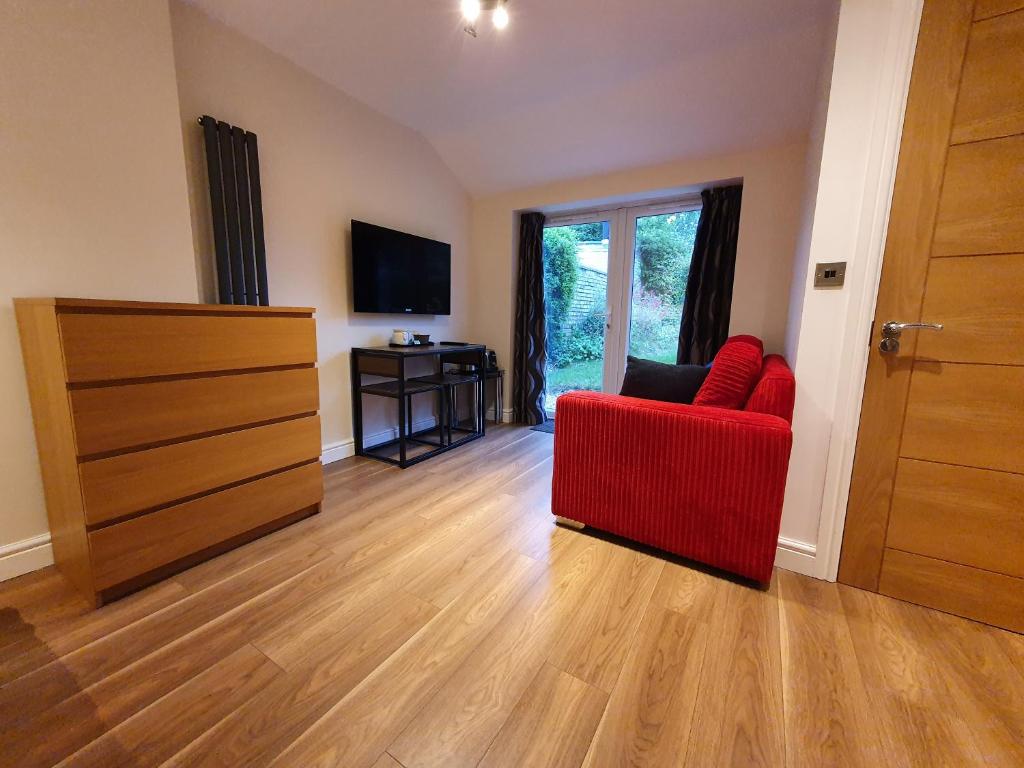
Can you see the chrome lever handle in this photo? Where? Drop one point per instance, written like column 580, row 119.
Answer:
column 892, row 330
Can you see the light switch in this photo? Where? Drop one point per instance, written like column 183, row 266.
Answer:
column 829, row 274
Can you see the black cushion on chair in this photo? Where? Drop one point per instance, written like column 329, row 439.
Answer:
column 661, row 381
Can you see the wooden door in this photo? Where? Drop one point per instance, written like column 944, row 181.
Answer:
column 936, row 509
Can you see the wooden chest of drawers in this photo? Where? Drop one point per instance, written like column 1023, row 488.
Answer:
column 168, row 433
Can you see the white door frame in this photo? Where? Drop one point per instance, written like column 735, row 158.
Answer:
column 621, row 233
column 851, row 214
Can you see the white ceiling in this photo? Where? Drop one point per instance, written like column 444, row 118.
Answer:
column 571, row 87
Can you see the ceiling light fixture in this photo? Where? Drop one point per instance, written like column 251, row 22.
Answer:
column 500, row 17
column 471, row 10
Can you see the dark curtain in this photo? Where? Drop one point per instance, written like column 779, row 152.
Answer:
column 705, row 323
column 529, row 355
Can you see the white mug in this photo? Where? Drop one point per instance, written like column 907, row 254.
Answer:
column 398, row 336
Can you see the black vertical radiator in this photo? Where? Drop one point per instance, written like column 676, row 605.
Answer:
column 233, row 165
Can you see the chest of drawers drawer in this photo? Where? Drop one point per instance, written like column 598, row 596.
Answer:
column 134, row 415
column 111, row 347
column 141, row 480
column 122, row 551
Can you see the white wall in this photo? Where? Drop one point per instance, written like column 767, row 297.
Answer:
column 324, row 160
column 773, row 188
column 92, row 197
column 869, row 83
column 812, row 168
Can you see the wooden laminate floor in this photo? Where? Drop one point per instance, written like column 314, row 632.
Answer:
column 436, row 617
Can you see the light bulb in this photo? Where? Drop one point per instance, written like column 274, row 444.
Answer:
column 500, row 17
column 470, row 10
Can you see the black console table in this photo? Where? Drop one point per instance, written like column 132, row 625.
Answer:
column 389, row 363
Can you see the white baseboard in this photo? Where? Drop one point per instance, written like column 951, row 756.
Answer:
column 796, row 556
column 21, row 557
column 337, row 451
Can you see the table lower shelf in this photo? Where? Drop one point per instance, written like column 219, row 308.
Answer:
column 420, row 446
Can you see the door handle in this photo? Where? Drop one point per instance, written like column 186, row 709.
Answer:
column 892, row 330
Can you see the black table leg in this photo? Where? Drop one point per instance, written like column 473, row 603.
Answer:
column 357, row 405
column 401, row 412
column 499, row 399
column 481, row 389
column 442, row 416
column 408, row 415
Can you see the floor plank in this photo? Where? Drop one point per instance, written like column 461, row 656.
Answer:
column 361, row 726
column 437, row 617
column 979, row 677
column 828, row 717
column 551, row 726
column 593, row 647
column 739, row 708
column 456, row 726
column 650, row 712
column 904, row 688
column 157, row 732
column 64, row 677
column 48, row 641
column 649, row 715
column 265, row 726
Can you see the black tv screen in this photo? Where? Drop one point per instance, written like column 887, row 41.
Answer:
column 393, row 272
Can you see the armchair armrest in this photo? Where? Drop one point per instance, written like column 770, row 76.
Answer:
column 705, row 483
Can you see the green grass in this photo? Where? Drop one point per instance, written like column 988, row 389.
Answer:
column 588, row 374
column 584, row 375
column 663, row 357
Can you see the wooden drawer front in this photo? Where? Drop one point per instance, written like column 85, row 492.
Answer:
column 125, row 550
column 968, row 516
column 981, row 595
column 108, row 347
column 117, row 417
column 141, row 480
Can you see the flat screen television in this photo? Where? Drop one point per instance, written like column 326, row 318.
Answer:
column 396, row 273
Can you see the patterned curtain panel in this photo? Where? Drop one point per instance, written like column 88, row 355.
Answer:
column 529, row 355
column 705, row 323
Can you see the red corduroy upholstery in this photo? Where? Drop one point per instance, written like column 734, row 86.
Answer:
column 733, row 373
column 704, row 483
column 775, row 391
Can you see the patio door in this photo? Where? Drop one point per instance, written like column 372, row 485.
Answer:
column 614, row 285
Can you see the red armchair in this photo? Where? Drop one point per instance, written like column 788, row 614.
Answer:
column 701, row 482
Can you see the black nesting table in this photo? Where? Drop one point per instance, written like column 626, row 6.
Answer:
column 388, row 366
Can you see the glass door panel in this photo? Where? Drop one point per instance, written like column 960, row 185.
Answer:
column 576, row 267
column 614, row 283
column 662, row 249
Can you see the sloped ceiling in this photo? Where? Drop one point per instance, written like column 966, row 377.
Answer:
column 571, row 87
